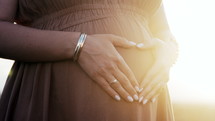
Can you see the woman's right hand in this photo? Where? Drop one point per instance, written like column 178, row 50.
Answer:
column 101, row 61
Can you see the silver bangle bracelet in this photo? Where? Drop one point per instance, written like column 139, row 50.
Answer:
column 79, row 46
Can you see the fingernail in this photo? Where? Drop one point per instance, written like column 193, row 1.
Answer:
column 132, row 43
column 136, row 97
column 140, row 45
column 153, row 100
column 140, row 90
column 141, row 98
column 130, row 99
column 137, row 88
column 145, row 101
column 117, row 97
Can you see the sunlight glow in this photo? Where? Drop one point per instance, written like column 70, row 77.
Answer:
column 193, row 77
column 192, row 22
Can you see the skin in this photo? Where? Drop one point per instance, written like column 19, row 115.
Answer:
column 158, row 75
column 110, row 65
column 165, row 53
column 33, row 45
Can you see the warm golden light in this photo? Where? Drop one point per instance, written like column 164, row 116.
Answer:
column 193, row 77
column 192, row 83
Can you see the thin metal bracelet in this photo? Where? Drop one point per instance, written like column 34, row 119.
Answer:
column 79, row 46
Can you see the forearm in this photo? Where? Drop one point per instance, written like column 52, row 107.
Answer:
column 27, row 44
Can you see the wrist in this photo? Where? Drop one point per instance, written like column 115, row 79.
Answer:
column 79, row 46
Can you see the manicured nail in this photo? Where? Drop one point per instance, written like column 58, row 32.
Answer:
column 132, row 43
column 136, row 97
column 145, row 101
column 153, row 100
column 130, row 99
column 141, row 98
column 140, row 90
column 137, row 88
column 117, row 97
column 140, row 45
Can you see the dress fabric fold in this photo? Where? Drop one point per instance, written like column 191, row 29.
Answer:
column 62, row 91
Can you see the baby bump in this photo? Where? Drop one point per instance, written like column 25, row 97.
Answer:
column 138, row 60
column 122, row 22
column 130, row 26
column 78, row 96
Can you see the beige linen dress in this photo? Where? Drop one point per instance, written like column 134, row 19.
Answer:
column 62, row 91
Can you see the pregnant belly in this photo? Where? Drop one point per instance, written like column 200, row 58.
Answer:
column 132, row 29
column 139, row 61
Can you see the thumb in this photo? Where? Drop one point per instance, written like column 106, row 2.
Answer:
column 122, row 42
column 153, row 43
column 143, row 46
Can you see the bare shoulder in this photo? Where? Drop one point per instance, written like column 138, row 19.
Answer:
column 8, row 10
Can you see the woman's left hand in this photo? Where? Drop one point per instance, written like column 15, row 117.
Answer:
column 158, row 75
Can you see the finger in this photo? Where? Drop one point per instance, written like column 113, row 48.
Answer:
column 155, row 97
column 118, row 88
column 149, row 87
column 125, row 83
column 156, row 90
column 149, row 45
column 105, row 85
column 155, row 69
column 121, row 42
column 122, row 65
column 156, row 78
column 153, row 44
column 158, row 83
column 143, row 46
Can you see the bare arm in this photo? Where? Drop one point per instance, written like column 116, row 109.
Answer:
column 99, row 59
column 27, row 44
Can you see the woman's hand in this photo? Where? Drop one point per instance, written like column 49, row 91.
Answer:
column 101, row 61
column 157, row 77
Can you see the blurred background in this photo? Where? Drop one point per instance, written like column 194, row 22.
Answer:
column 192, row 83
column 192, row 79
